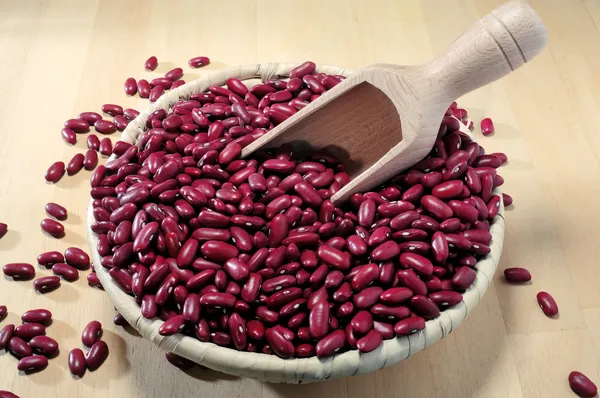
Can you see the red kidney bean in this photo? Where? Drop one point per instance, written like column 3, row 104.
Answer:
column 112, row 109
column 445, row 298
column 96, row 356
column 281, row 346
column 29, row 331
column 77, row 125
column 370, row 342
column 582, row 385
column 424, row 307
column 367, row 297
column 361, row 323
column 57, row 211
column 19, row 348
column 130, row 86
column 487, row 126
column 36, row 316
column 417, row 262
column 386, row 251
column 6, row 335
column 396, row 295
column 151, row 63
column 69, row 136
column 517, row 275
column 67, row 272
column 19, row 271
column 90, row 160
column 409, row 326
column 172, row 326
column 46, row 284
column 106, row 147
column 198, row 62
column 76, row 362
column 77, row 258
column 319, row 320
column 334, row 257
column 331, row 344
column 44, row 345
column 547, row 304
column 55, row 172
column 93, row 142
column 91, row 333
column 32, row 364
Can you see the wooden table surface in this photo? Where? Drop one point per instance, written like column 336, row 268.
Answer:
column 61, row 57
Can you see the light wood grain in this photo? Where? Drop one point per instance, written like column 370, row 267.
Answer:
column 58, row 58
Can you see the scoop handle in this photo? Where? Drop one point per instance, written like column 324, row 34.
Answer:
column 496, row 45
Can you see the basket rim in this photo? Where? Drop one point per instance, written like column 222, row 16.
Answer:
column 270, row 367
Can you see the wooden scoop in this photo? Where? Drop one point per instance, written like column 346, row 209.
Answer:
column 385, row 118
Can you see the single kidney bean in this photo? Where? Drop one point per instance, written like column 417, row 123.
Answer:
column 77, row 258
column 417, row 262
column 37, row 316
column 331, row 344
column 582, row 385
column 90, row 160
column 44, row 345
column 67, row 272
column 46, row 284
column 97, row 355
column 93, row 142
column 5, row 335
column 144, row 88
column 130, row 86
column 367, row 297
column 319, row 320
column 281, row 346
column 463, row 278
column 151, row 63
column 32, row 364
column 112, row 109
column 547, row 304
column 370, row 342
column 55, row 172
column 487, row 126
column 91, row 333
column 69, row 136
column 75, row 164
column 517, row 275
column 396, row 295
column 198, row 62
column 106, row 147
column 424, row 307
column 77, row 362
column 56, row 211
column 19, row 348
column 361, row 323
column 445, row 298
column 19, row 271
column 409, row 326
column 77, row 125
column 105, row 126
column 48, row 259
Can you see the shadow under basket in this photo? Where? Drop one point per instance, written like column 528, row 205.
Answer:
column 270, row 367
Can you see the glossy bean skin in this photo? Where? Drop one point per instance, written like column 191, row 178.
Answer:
column 6, row 334
column 32, row 364
column 77, row 362
column 19, row 348
column 582, row 385
column 96, row 355
column 46, row 284
column 55, row 172
column 44, row 345
column 37, row 316
column 517, row 275
column 547, row 304
column 19, row 271
column 91, row 333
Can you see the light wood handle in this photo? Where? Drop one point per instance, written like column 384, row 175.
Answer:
column 496, row 45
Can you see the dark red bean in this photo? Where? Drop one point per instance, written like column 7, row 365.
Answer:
column 77, row 258
column 517, row 275
column 48, row 259
column 281, row 346
column 19, row 271
column 331, row 344
column 19, row 348
column 409, row 326
column 36, row 316
column 198, row 62
column 55, row 172
column 65, row 271
column 151, row 63
column 547, row 304
column 319, row 320
column 77, row 362
column 91, row 333
column 46, row 284
column 77, row 125
column 32, row 364
column 445, row 298
column 69, row 136
column 90, row 160
column 96, row 356
column 5, row 335
column 582, row 385
column 370, row 342
column 463, row 278
column 44, row 345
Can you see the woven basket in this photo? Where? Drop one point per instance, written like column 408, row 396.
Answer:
column 270, row 367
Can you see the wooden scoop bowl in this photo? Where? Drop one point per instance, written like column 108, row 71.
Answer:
column 385, row 118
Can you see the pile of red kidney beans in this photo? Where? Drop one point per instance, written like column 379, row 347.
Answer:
column 251, row 254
